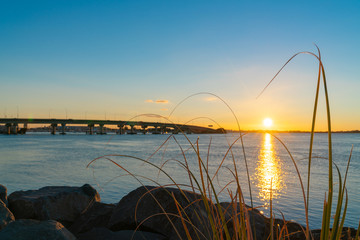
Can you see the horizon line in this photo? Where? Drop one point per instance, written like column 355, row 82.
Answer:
column 293, row 131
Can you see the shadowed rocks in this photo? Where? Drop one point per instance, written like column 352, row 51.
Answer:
column 97, row 216
column 63, row 204
column 106, row 234
column 28, row 229
column 3, row 194
column 6, row 216
column 148, row 212
column 154, row 209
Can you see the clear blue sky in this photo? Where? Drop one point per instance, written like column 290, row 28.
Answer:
column 117, row 58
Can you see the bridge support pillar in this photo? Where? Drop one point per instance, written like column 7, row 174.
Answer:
column 132, row 131
column 175, row 130
column 12, row 128
column 63, row 128
column 53, row 128
column 101, row 126
column 144, row 129
column 155, row 130
column 15, row 128
column 120, row 129
column 8, row 128
column 91, row 129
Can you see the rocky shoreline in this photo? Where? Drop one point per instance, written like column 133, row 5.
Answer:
column 67, row 213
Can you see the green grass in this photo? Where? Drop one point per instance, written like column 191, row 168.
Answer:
column 236, row 214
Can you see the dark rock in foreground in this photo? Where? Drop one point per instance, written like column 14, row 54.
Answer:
column 6, row 216
column 98, row 215
column 27, row 229
column 151, row 208
column 63, row 204
column 106, row 234
column 3, row 194
column 150, row 213
column 346, row 234
column 256, row 219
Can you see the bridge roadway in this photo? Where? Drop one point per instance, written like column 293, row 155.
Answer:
column 12, row 126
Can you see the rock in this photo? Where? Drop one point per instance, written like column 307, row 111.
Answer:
column 6, row 216
column 98, row 215
column 346, row 233
column 106, row 234
column 149, row 211
column 261, row 225
column 27, row 229
column 258, row 224
column 257, row 220
column 292, row 230
column 3, row 194
column 63, row 204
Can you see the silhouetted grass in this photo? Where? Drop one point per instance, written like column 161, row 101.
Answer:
column 203, row 183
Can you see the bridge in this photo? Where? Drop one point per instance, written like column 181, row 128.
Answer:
column 12, row 126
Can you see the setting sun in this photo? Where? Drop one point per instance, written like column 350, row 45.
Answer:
column 268, row 122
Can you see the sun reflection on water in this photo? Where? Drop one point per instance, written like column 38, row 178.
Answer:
column 268, row 172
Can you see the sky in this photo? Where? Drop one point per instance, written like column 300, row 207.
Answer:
column 119, row 60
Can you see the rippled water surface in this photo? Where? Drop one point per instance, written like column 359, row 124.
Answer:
column 35, row 160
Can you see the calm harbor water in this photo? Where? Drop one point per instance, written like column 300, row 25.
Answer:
column 32, row 161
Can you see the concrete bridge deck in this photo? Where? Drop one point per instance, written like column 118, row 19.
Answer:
column 12, row 126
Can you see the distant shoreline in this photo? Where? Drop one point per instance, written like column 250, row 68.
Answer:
column 295, row 131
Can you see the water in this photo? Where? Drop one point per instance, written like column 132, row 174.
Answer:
column 34, row 160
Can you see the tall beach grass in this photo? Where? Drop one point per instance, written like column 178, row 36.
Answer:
column 235, row 221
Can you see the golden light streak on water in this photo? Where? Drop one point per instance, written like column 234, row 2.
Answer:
column 269, row 172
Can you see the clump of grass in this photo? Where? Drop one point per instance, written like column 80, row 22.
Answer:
column 338, row 220
column 235, row 221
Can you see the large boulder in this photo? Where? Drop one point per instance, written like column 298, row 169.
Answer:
column 261, row 225
column 3, row 194
column 256, row 219
column 291, row 230
column 154, row 209
column 346, row 234
column 27, row 229
column 106, row 234
column 63, row 204
column 6, row 216
column 98, row 215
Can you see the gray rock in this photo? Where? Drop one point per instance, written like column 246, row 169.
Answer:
column 98, row 215
column 152, row 218
column 106, row 234
column 346, row 234
column 257, row 220
column 6, row 216
column 63, row 204
column 27, row 229
column 294, row 231
column 3, row 194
